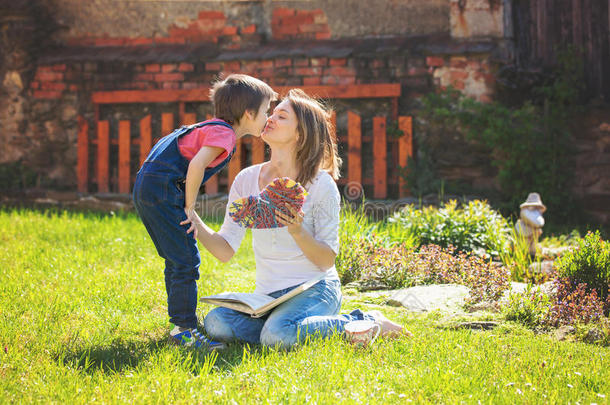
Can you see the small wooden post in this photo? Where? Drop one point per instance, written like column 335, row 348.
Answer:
column 405, row 150
column 103, row 155
column 211, row 186
column 124, row 151
column 380, row 161
column 82, row 146
column 145, row 138
column 354, row 149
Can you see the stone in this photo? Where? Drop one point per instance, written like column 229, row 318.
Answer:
column 563, row 332
column 594, row 335
column 425, row 298
column 545, row 267
column 477, row 325
column 555, row 251
column 367, row 285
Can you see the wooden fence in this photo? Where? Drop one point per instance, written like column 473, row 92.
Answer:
column 100, row 141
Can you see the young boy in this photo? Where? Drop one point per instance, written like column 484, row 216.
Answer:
column 167, row 185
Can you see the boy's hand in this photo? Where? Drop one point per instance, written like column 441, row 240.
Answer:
column 193, row 219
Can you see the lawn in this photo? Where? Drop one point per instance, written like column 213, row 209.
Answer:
column 84, row 320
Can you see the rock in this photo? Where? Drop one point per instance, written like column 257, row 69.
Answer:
column 444, row 297
column 555, row 252
column 563, row 332
column 478, row 325
column 595, row 335
column 545, row 267
column 367, row 285
column 487, row 306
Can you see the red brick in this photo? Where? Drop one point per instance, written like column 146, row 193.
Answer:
column 283, row 12
column 299, row 19
column 229, row 31
column 266, row 64
column 140, row 41
column 213, row 66
column 318, row 61
column 282, row 31
column 250, row 29
column 435, row 61
column 110, row 41
column 171, row 85
column 283, row 62
column 308, row 71
column 59, row 68
column 169, row 77
column 47, row 94
column 323, row 35
column 458, row 84
column 35, row 85
column 309, row 28
column 311, row 81
column 338, row 62
column 52, row 86
column 265, row 73
column 301, row 62
column 153, row 68
column 49, row 76
column 170, row 40
column 143, row 76
column 334, row 80
column 73, row 87
column 142, row 85
column 190, row 85
column 458, row 62
column 186, row 67
column 211, row 15
column 233, row 66
column 169, row 68
column 338, row 71
column 417, row 71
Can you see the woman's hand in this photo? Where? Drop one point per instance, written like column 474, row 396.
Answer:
column 193, row 219
column 292, row 221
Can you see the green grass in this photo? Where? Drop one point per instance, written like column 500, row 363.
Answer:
column 84, row 320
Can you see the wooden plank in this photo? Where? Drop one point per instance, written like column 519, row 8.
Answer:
column 103, row 155
column 354, row 149
column 167, row 124
column 151, row 96
column 181, row 112
column 145, row 138
column 189, row 118
column 258, row 150
column 211, row 186
column 405, row 150
column 380, row 90
column 82, row 147
column 124, row 151
column 235, row 165
column 380, row 161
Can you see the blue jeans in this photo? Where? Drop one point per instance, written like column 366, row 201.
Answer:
column 314, row 311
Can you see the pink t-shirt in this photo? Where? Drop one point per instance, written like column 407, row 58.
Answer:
column 209, row 135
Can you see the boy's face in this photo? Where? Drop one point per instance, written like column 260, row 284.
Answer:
column 259, row 121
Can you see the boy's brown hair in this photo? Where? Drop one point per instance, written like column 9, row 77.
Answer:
column 238, row 93
column 316, row 145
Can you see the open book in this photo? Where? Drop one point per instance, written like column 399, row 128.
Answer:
column 255, row 304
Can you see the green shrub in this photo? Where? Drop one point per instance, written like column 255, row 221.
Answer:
column 475, row 227
column 589, row 263
column 529, row 308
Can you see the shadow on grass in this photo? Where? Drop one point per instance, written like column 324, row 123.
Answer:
column 121, row 356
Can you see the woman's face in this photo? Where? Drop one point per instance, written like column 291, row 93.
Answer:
column 282, row 125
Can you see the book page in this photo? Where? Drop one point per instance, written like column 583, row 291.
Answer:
column 253, row 300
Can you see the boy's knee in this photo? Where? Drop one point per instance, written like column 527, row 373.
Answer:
column 217, row 326
column 281, row 335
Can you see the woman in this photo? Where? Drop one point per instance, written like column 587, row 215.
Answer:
column 302, row 148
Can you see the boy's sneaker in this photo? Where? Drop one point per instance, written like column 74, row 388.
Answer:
column 192, row 338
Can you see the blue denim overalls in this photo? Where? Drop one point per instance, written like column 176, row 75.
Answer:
column 158, row 195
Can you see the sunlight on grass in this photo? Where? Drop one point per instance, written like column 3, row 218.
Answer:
column 84, row 319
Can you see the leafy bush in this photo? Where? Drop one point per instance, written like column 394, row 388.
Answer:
column 589, row 263
column 399, row 266
column 475, row 227
column 530, row 308
column 575, row 303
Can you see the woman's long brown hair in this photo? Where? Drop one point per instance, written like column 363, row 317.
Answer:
column 316, row 146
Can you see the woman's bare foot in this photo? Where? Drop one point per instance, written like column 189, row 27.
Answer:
column 389, row 328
